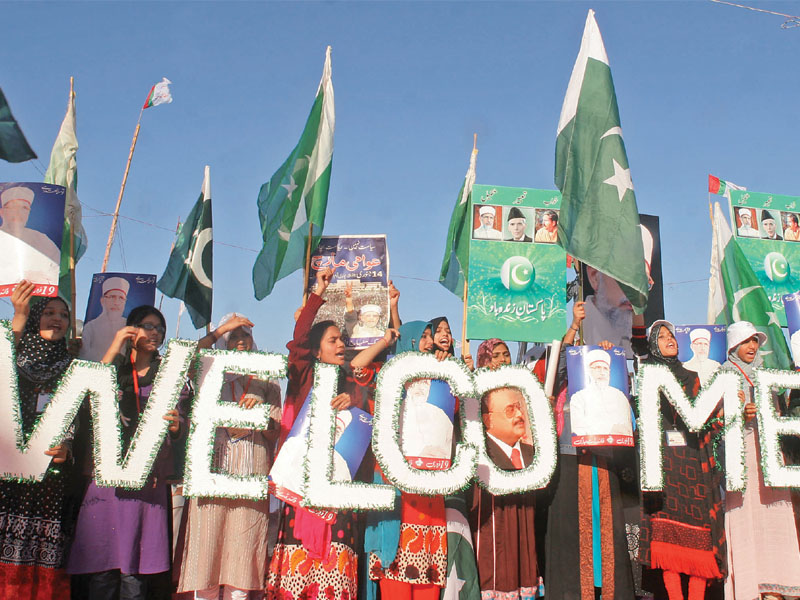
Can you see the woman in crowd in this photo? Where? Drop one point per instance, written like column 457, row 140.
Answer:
column 407, row 548
column 442, row 337
column 312, row 557
column 681, row 530
column 34, row 519
column 763, row 554
column 226, row 538
column 122, row 536
column 585, row 555
column 493, row 354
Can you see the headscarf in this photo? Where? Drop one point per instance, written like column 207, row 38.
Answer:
column 683, row 375
column 486, row 349
column 747, row 368
column 410, row 335
column 434, row 326
column 41, row 362
column 222, row 341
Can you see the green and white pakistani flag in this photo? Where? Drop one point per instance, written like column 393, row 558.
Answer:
column 189, row 270
column 63, row 170
column 13, row 145
column 291, row 205
column 599, row 221
column 455, row 263
column 462, row 572
column 735, row 294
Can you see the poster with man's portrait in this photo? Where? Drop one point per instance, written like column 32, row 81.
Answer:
column 546, row 226
column 357, row 299
column 353, row 436
column 112, row 297
column 771, row 252
column 31, row 228
column 609, row 314
column 426, row 428
column 487, row 222
column 791, row 304
column 599, row 407
column 702, row 348
column 520, row 223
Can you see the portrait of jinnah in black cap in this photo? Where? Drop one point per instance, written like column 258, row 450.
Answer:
column 516, row 225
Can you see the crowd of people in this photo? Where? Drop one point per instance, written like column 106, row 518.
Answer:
column 590, row 533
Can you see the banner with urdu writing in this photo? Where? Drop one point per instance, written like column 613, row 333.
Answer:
column 516, row 287
column 767, row 229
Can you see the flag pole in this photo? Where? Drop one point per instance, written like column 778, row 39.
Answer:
column 73, row 319
column 465, row 351
column 307, row 266
column 171, row 248
column 121, row 192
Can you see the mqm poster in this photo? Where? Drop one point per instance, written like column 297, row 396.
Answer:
column 517, row 271
column 767, row 229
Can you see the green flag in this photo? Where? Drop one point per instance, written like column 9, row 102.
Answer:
column 189, row 270
column 462, row 571
column 291, row 205
column 455, row 264
column 599, row 220
column 735, row 294
column 13, row 145
column 63, row 170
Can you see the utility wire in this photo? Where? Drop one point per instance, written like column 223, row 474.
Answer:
column 791, row 20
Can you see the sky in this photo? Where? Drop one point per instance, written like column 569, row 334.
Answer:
column 702, row 88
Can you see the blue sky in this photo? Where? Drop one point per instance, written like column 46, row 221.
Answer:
column 702, row 88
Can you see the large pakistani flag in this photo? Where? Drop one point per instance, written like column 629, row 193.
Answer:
column 291, row 205
column 462, row 573
column 456, row 251
column 63, row 170
column 735, row 294
column 599, row 220
column 189, row 270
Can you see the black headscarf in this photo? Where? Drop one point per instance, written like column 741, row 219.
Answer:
column 434, row 326
column 40, row 362
column 686, row 377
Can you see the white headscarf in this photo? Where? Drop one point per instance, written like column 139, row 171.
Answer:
column 222, row 341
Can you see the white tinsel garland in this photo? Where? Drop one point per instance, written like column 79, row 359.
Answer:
column 208, row 413
column 540, row 416
column 25, row 460
column 131, row 472
column 654, row 379
column 321, row 491
column 386, row 424
column 771, row 426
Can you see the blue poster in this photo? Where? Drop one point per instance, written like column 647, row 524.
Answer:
column 357, row 299
column 702, row 348
column 31, row 227
column 791, row 303
column 111, row 299
column 597, row 387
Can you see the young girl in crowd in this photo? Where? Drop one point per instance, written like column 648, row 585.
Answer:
column 407, row 548
column 226, row 539
column 122, row 538
column 585, row 555
column 34, row 519
column 493, row 354
column 313, row 558
column 681, row 530
column 763, row 554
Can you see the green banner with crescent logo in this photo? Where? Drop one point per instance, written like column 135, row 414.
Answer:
column 517, row 270
column 767, row 229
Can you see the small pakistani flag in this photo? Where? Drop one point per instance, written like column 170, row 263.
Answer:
column 13, row 145
column 189, row 270
column 291, row 205
column 722, row 187
column 736, row 294
column 462, row 571
column 599, row 221
column 455, row 263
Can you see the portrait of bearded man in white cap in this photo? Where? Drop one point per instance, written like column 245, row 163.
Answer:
column 700, row 363
column 100, row 331
column 600, row 408
column 746, row 219
column 29, row 254
column 368, row 325
column 486, row 230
